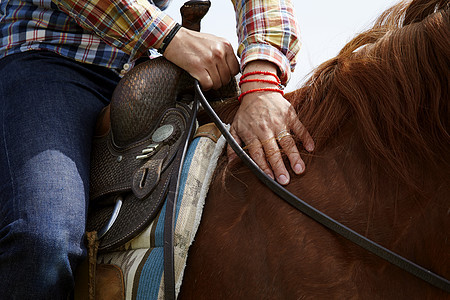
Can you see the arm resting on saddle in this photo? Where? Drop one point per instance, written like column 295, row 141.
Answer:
column 131, row 26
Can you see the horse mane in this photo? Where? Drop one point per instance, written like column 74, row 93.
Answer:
column 392, row 80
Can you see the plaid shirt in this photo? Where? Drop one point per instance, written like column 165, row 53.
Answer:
column 114, row 33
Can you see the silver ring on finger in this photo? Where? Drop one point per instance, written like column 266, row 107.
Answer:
column 282, row 134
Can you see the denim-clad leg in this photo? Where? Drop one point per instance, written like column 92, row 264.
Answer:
column 48, row 108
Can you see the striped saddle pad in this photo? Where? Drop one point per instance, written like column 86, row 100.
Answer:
column 137, row 267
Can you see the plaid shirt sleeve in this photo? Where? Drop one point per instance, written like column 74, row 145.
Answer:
column 267, row 30
column 134, row 26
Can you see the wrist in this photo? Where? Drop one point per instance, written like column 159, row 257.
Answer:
column 260, row 77
column 262, row 66
column 258, row 74
column 168, row 38
column 260, row 90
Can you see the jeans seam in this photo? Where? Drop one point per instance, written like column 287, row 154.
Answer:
column 6, row 150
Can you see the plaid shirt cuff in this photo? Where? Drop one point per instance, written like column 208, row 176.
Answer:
column 268, row 53
column 150, row 36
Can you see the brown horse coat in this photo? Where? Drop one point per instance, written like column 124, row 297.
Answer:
column 379, row 114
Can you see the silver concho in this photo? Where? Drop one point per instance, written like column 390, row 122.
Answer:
column 162, row 133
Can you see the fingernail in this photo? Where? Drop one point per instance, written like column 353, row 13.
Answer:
column 309, row 147
column 298, row 168
column 270, row 175
column 282, row 179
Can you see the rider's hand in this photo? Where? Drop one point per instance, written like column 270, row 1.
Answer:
column 262, row 123
column 208, row 58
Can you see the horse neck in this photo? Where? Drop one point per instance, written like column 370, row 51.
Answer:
column 343, row 181
column 249, row 221
column 346, row 182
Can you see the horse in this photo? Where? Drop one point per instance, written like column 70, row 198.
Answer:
column 379, row 114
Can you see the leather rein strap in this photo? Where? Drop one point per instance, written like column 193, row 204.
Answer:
column 171, row 205
column 191, row 12
column 317, row 215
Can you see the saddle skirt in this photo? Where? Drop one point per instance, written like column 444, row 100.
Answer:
column 138, row 175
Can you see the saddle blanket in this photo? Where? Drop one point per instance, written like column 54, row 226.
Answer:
column 141, row 259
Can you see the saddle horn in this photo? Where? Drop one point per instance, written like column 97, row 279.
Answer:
column 192, row 12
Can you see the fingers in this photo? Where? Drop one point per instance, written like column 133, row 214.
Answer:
column 275, row 159
column 230, row 152
column 232, row 62
column 267, row 142
column 208, row 58
column 204, row 79
column 267, row 155
column 255, row 150
column 223, row 65
column 218, row 73
column 257, row 153
column 289, row 147
column 225, row 62
column 224, row 74
column 300, row 131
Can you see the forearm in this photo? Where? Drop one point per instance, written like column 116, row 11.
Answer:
column 132, row 26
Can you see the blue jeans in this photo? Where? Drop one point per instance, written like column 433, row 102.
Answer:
column 48, row 109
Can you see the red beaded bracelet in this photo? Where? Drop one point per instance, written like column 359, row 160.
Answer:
column 260, row 73
column 260, row 90
column 241, row 82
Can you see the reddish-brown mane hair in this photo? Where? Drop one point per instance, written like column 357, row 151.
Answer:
column 393, row 80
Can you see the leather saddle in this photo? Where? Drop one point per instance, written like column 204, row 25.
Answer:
column 132, row 161
column 139, row 136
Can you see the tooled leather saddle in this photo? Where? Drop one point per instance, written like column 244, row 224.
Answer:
column 132, row 162
column 141, row 132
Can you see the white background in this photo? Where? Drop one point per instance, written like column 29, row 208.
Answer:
column 325, row 27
